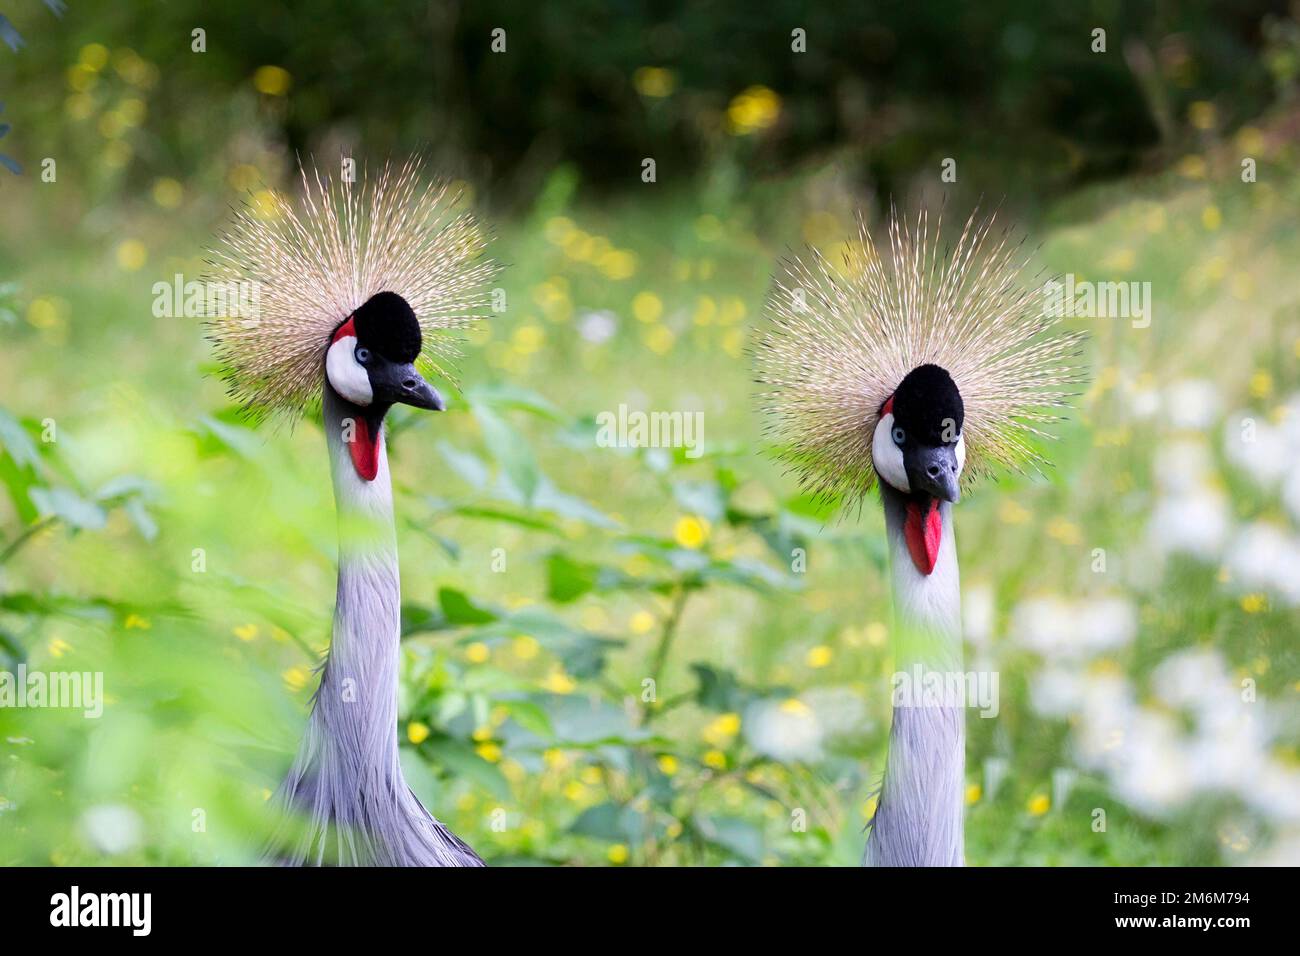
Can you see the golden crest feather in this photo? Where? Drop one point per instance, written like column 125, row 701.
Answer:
column 314, row 261
column 838, row 342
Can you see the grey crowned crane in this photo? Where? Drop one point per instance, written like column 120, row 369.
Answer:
column 357, row 286
column 919, row 371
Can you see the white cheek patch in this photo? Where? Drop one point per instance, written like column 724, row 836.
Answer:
column 888, row 457
column 346, row 375
column 960, row 451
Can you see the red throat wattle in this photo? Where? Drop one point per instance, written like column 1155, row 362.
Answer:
column 364, row 449
column 923, row 531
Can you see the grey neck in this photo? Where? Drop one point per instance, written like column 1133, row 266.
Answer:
column 347, row 777
column 918, row 820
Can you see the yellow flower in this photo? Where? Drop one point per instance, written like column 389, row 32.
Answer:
column 1261, row 384
column 591, row 775
column 641, row 622
column 272, row 80
column 167, row 193
column 93, row 56
column 753, row 109
column 489, row 752
column 417, row 732
column 296, row 677
column 1192, row 167
column 1039, row 804
column 59, row 647
column 647, row 306
column 1253, row 603
column 478, row 653
column 528, row 339
column 526, row 647
column 795, row 707
column 660, row 339
column 869, row 808
column 266, row 204
column 131, row 254
column 673, row 830
column 574, row 791
column 1202, row 114
column 667, row 764
column 617, row 854
column 715, row 759
column 554, row 757
column 973, row 793
column 617, row 264
column 691, row 531
column 877, row 634
column 654, row 81
column 1211, row 218
column 482, row 733
column 134, row 621
column 721, row 729
column 558, row 682
column 246, row 632
column 1064, row 531
column 819, row 656
column 1012, row 513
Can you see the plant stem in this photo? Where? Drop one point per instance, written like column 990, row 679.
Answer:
column 674, row 618
column 31, row 531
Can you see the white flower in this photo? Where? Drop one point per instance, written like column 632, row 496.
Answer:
column 1192, row 404
column 1257, row 448
column 977, row 614
column 112, row 828
column 598, row 327
column 1056, row 691
column 787, row 731
column 1053, row 627
column 1263, row 556
column 1194, row 523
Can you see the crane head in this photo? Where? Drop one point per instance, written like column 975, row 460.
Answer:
column 918, row 447
column 370, row 361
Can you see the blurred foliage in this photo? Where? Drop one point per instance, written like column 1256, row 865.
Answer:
column 893, row 88
column 148, row 533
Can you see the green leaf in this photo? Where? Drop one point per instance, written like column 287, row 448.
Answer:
column 509, row 395
column 612, row 823
column 420, row 619
column 510, row 451
column 459, row 609
column 738, row 837
column 16, row 442
column 530, row 716
column 704, row 498
column 69, row 507
column 460, row 760
column 567, row 579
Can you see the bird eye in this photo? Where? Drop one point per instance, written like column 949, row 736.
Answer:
column 363, row 354
column 899, row 436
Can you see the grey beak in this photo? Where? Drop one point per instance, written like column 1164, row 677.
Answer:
column 934, row 471
column 401, row 383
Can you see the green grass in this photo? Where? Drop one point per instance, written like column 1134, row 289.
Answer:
column 523, row 688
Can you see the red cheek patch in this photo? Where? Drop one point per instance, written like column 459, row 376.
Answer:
column 344, row 330
column 364, row 449
column 923, row 532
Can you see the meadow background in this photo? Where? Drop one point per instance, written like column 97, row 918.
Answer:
column 1139, row 602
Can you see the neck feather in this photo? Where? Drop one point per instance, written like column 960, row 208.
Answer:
column 918, row 820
